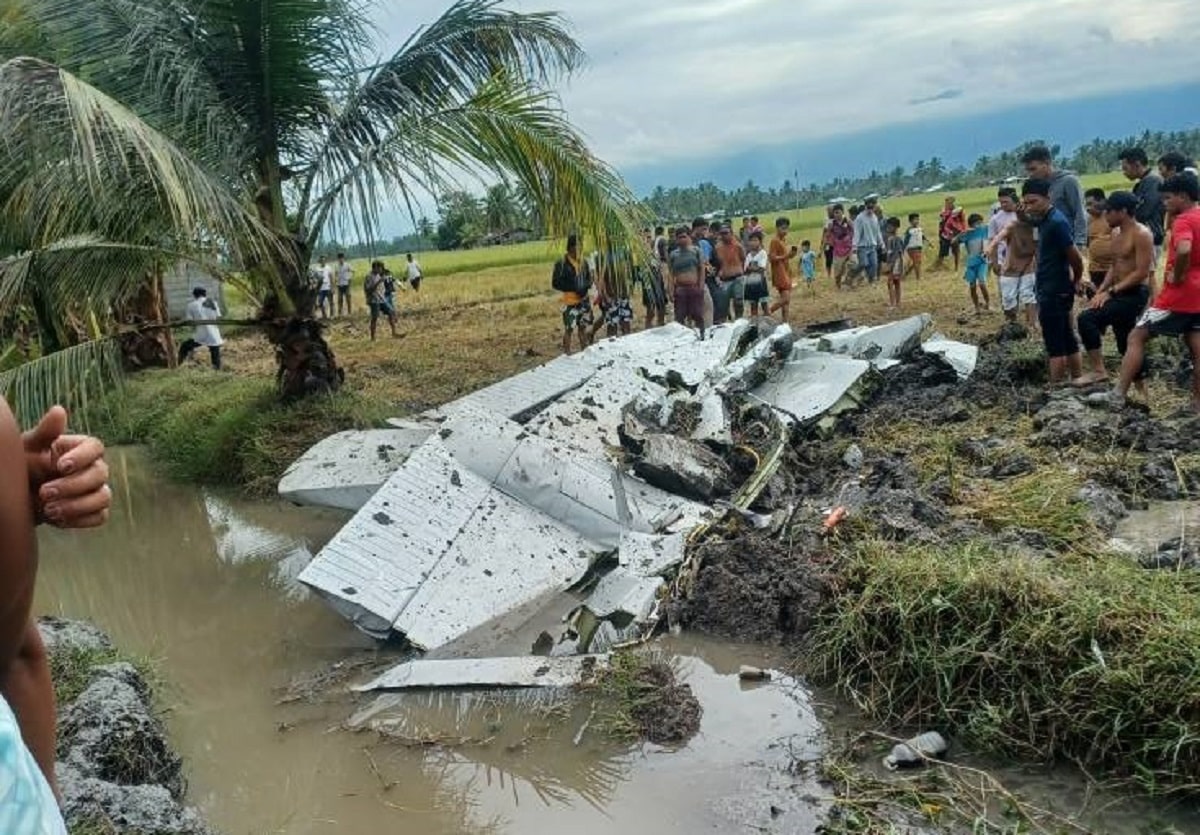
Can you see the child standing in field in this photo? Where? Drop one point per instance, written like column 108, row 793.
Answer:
column 914, row 245
column 757, row 263
column 974, row 240
column 895, row 261
column 808, row 265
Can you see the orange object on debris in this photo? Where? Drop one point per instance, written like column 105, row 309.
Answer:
column 834, row 518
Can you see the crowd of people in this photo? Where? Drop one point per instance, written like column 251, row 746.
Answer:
column 1051, row 246
column 379, row 288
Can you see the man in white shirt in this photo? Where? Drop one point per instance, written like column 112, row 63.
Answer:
column 203, row 309
column 344, row 274
column 414, row 272
column 325, row 289
column 1001, row 220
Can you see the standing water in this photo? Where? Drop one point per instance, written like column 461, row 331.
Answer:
column 204, row 584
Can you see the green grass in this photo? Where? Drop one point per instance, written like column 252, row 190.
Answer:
column 1085, row 658
column 208, row 427
column 457, row 262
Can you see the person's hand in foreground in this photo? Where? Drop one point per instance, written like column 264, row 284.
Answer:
column 68, row 476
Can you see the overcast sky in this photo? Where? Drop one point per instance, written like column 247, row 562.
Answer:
column 672, row 80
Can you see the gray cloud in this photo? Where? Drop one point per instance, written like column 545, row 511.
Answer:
column 671, row 81
column 943, row 95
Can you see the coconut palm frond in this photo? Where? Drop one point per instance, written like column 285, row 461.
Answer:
column 69, row 153
column 440, row 66
column 85, row 267
column 72, row 377
column 510, row 129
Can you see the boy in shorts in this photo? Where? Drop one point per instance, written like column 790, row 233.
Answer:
column 895, row 261
column 914, row 246
column 808, row 265
column 1176, row 310
column 757, row 264
column 974, row 240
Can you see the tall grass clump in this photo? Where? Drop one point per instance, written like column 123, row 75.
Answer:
column 1090, row 659
column 213, row 428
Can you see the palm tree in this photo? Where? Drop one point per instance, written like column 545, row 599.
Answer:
column 500, row 210
column 284, row 107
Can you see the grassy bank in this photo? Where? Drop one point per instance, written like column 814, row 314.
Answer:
column 1085, row 658
column 211, row 428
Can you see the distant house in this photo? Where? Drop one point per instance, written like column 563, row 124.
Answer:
column 178, row 283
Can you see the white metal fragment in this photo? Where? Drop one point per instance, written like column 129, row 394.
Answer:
column 525, row 671
column 344, row 470
column 623, row 591
column 961, row 356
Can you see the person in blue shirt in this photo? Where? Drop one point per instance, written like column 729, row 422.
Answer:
column 1058, row 277
column 974, row 240
column 808, row 265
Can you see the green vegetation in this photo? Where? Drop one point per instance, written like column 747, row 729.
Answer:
column 639, row 697
column 213, row 428
column 241, row 102
column 71, row 669
column 1094, row 157
column 1087, row 658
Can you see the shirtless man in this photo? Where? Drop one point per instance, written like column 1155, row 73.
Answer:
column 1125, row 290
column 1013, row 250
column 731, row 278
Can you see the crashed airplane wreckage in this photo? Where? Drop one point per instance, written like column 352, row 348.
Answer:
column 591, row 472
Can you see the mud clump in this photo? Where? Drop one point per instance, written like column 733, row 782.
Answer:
column 754, row 588
column 671, row 715
column 116, row 768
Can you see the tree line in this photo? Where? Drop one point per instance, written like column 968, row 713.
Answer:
column 1093, row 157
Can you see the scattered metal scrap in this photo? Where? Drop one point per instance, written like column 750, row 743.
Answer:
column 527, row 671
column 591, row 472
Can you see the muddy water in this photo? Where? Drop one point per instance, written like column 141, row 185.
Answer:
column 204, row 584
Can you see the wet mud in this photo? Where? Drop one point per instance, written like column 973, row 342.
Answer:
column 769, row 586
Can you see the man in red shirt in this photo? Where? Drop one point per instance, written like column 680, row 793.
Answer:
column 1176, row 310
column 952, row 222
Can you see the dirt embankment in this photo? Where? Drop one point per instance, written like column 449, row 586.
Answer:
column 971, row 584
column 117, row 771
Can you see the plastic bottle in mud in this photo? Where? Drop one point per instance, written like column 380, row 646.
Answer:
column 915, row 751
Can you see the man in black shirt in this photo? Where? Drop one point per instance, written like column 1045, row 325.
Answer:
column 1135, row 165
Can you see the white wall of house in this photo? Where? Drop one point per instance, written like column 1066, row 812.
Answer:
column 178, row 284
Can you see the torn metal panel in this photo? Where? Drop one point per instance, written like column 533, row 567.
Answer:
column 483, row 506
column 586, row 419
column 689, row 364
column 621, row 591
column 523, row 394
column 579, row 491
column 507, row 555
column 526, row 671
column 639, row 346
column 891, row 341
column 652, row 555
column 375, row 564
column 812, row 384
column 344, row 470
column 961, row 356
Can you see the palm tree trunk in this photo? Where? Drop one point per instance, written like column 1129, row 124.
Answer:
column 305, row 363
column 147, row 347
